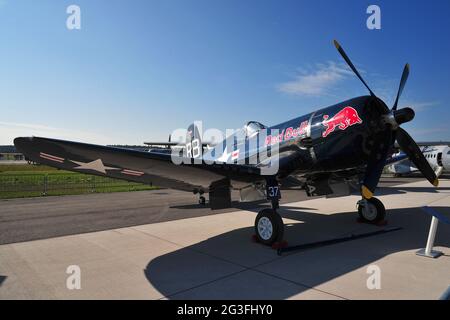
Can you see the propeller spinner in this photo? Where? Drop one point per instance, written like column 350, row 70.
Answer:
column 381, row 149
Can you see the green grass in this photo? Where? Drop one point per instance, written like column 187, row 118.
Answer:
column 19, row 181
column 26, row 168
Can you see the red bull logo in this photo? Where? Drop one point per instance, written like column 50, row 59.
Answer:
column 287, row 134
column 342, row 120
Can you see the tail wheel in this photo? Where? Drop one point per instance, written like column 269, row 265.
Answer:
column 269, row 227
column 371, row 210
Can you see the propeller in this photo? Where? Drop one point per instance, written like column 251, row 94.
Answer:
column 384, row 142
column 375, row 165
column 416, row 156
column 405, row 75
column 350, row 64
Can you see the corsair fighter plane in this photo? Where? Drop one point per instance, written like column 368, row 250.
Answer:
column 331, row 151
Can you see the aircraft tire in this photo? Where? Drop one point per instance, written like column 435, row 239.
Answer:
column 371, row 210
column 269, row 227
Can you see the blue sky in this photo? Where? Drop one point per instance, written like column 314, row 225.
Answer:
column 139, row 69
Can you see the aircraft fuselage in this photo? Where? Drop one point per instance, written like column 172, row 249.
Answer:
column 335, row 138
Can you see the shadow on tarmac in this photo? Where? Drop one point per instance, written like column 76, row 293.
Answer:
column 311, row 267
column 2, row 279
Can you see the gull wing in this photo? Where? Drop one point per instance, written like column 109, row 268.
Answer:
column 145, row 167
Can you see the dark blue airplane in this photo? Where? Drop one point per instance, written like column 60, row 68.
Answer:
column 329, row 152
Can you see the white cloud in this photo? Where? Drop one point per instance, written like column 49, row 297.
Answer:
column 419, row 106
column 427, row 131
column 11, row 130
column 436, row 134
column 316, row 82
column 27, row 126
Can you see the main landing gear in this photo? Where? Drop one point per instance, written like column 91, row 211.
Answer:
column 269, row 227
column 371, row 210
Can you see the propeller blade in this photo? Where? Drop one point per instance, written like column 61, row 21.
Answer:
column 350, row 64
column 408, row 145
column 405, row 75
column 374, row 169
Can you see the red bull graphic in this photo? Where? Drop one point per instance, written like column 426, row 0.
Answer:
column 342, row 120
column 287, row 134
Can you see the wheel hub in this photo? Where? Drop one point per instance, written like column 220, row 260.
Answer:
column 369, row 211
column 265, row 228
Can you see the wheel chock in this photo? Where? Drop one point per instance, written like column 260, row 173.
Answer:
column 280, row 245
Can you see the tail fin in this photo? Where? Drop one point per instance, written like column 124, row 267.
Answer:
column 194, row 147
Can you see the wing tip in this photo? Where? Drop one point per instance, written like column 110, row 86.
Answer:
column 20, row 141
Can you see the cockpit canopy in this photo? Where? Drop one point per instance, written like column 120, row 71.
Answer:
column 251, row 128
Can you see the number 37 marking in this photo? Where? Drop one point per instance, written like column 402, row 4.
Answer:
column 273, row 192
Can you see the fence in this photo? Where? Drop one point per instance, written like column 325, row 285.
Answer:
column 43, row 184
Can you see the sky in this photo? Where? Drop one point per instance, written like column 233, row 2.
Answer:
column 137, row 70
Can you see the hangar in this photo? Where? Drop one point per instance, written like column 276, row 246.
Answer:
column 10, row 154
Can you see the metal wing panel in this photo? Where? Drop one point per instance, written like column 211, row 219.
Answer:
column 131, row 165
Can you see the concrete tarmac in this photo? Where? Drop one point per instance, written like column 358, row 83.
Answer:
column 212, row 257
column 45, row 217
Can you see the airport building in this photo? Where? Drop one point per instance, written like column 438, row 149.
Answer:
column 9, row 153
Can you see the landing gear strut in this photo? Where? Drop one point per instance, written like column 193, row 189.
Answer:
column 269, row 227
column 371, row 210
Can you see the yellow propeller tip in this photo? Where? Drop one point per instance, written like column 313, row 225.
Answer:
column 366, row 193
column 336, row 44
column 436, row 182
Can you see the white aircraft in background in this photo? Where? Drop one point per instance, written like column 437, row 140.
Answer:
column 438, row 156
